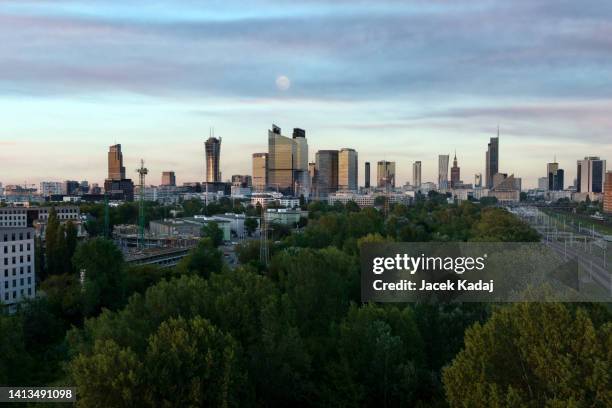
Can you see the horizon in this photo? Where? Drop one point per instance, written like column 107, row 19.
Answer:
column 396, row 82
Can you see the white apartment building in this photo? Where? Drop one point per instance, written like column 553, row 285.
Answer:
column 17, row 276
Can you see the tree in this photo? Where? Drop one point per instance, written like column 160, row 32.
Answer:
column 203, row 260
column 70, row 238
column 251, row 224
column 52, row 244
column 102, row 263
column 212, row 231
column 533, row 355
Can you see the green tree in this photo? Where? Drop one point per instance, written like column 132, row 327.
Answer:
column 533, row 355
column 251, row 224
column 213, row 232
column 203, row 260
column 70, row 238
column 52, row 244
column 102, row 263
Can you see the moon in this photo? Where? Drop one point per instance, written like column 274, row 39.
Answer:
column 283, row 83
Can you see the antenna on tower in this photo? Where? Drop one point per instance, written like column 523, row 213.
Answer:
column 142, row 172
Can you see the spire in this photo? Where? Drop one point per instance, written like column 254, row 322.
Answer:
column 498, row 130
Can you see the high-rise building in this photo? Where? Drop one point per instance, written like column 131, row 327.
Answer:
column 455, row 173
column 300, row 163
column 590, row 175
column 212, row 148
column 543, row 183
column 49, row 188
column 478, row 180
column 326, row 172
column 281, row 150
column 443, row 171
column 242, row 181
column 607, row 202
column 492, row 160
column 385, row 174
column 168, row 178
column 70, row 187
column 416, row 174
column 347, row 169
column 555, row 176
column 116, row 186
column 116, row 170
column 312, row 175
column 367, row 175
column 260, row 171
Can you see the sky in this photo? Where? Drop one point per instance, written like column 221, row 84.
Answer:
column 395, row 80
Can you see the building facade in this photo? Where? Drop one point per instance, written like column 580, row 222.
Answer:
column 367, row 175
column 443, row 171
column 326, row 178
column 212, row 148
column 607, row 204
column 260, row 171
column 385, row 174
column 416, row 174
column 168, row 178
column 455, row 174
column 281, row 150
column 348, row 169
column 590, row 175
column 17, row 272
column 492, row 160
column 116, row 186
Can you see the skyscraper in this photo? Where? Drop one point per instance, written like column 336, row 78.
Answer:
column 492, row 160
column 300, row 163
column 367, row 175
column 385, row 174
column 416, row 174
column 555, row 176
column 326, row 172
column 116, row 170
column 168, row 179
column 443, row 171
column 590, row 175
column 455, row 173
column 607, row 204
column 281, row 150
column 478, row 180
column 116, row 186
column 260, row 171
column 212, row 148
column 347, row 169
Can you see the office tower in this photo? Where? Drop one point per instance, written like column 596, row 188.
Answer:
column 243, row 181
column 543, row 183
column 347, row 169
column 49, row 188
column 300, row 163
column 84, row 187
column 281, row 151
column 443, row 171
column 168, row 178
column 555, row 176
column 367, row 175
column 498, row 178
column 95, row 189
column 326, row 172
column 455, row 173
column 478, row 180
column 70, row 187
column 607, row 204
column 116, row 186
column 492, row 160
column 312, row 175
column 416, row 174
column 212, row 148
column 260, row 171
column 116, row 171
column 590, row 175
column 385, row 174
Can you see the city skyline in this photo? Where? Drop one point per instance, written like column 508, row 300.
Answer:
column 396, row 82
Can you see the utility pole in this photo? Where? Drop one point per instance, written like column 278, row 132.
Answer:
column 142, row 172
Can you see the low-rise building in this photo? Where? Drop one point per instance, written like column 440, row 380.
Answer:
column 284, row 216
column 187, row 227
